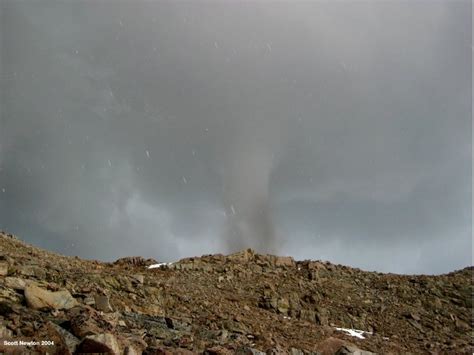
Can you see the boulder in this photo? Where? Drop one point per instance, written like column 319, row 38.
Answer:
column 352, row 350
column 15, row 283
column 5, row 332
column 64, row 342
column 138, row 278
column 100, row 343
column 330, row 345
column 3, row 268
column 248, row 351
column 102, row 303
column 85, row 321
column 38, row 298
column 287, row 261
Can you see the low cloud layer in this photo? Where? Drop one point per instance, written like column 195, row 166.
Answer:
column 338, row 131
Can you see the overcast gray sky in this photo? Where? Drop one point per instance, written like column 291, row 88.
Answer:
column 339, row 131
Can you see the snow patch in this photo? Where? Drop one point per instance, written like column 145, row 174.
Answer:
column 160, row 265
column 354, row 332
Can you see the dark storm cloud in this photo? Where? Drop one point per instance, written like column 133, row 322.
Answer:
column 339, row 131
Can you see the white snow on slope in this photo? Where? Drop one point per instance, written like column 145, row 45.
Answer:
column 354, row 332
column 155, row 266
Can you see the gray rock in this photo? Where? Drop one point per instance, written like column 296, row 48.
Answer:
column 138, row 278
column 102, row 303
column 248, row 351
column 352, row 350
column 16, row 283
column 32, row 271
column 89, row 301
column 4, row 332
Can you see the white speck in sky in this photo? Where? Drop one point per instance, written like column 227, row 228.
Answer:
column 184, row 180
column 216, row 45
column 269, row 47
column 232, row 208
column 77, row 52
column 193, row 152
column 147, row 153
column 3, row 190
column 110, row 163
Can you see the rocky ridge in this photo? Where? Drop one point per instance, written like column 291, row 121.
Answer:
column 244, row 303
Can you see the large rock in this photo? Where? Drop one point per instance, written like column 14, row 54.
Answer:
column 100, row 343
column 16, row 283
column 352, row 350
column 285, row 261
column 102, row 303
column 248, row 351
column 38, row 298
column 64, row 342
column 3, row 268
column 4, row 332
column 32, row 271
column 330, row 346
column 85, row 321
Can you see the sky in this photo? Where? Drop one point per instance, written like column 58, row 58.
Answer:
column 337, row 131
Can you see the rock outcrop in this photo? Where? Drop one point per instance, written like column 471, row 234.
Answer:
column 244, row 303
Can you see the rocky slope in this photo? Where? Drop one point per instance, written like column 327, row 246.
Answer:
column 243, row 303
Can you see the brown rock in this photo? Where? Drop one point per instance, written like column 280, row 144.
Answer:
column 130, row 350
column 64, row 342
column 285, row 261
column 99, row 343
column 38, row 298
column 3, row 268
column 218, row 350
column 84, row 321
column 330, row 346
